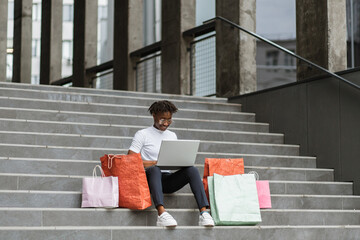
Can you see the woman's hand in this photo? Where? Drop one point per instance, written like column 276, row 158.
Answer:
column 149, row 163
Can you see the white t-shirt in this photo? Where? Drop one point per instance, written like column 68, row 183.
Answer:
column 147, row 142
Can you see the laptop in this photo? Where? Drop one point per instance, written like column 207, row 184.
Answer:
column 175, row 154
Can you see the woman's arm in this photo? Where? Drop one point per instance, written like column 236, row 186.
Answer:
column 145, row 163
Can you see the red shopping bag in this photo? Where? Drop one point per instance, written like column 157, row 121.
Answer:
column 221, row 166
column 133, row 186
column 263, row 190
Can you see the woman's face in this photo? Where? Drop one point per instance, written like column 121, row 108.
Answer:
column 162, row 120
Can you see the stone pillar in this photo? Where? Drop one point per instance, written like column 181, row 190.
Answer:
column 128, row 37
column 3, row 38
column 321, row 35
column 22, row 41
column 51, row 41
column 235, row 50
column 177, row 16
column 85, row 41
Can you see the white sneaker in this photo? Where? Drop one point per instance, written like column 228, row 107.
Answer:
column 206, row 220
column 166, row 220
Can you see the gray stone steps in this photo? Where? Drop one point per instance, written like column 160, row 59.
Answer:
column 82, row 168
column 72, row 199
column 333, row 232
column 249, row 160
column 53, row 152
column 72, row 126
column 96, row 141
column 118, row 111
column 104, row 92
column 42, row 138
column 19, row 125
column 43, row 217
column 207, row 147
column 78, row 100
column 46, row 182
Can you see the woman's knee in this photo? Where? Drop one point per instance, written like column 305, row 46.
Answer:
column 153, row 171
column 192, row 172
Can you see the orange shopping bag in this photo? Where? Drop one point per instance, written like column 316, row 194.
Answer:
column 221, row 166
column 133, row 186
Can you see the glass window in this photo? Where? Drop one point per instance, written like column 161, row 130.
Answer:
column 68, row 13
column 102, row 11
column 36, row 11
column 35, row 48
column 272, row 58
column 11, row 10
column 67, row 50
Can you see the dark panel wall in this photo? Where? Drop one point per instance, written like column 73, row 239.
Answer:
column 322, row 116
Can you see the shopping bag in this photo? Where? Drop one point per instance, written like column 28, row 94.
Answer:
column 263, row 190
column 234, row 200
column 100, row 191
column 133, row 186
column 222, row 166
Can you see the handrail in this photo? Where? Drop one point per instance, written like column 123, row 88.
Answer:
column 282, row 49
column 92, row 70
column 145, row 51
column 200, row 30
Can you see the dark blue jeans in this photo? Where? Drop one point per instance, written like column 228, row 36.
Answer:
column 160, row 183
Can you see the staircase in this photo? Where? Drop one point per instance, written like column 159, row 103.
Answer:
column 51, row 137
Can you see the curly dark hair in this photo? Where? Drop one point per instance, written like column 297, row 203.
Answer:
column 162, row 106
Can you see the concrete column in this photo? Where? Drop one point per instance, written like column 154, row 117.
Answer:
column 321, row 35
column 177, row 16
column 128, row 37
column 85, row 40
column 235, row 50
column 22, row 41
column 51, row 41
column 3, row 38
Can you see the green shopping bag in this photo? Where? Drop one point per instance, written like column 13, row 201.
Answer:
column 234, row 199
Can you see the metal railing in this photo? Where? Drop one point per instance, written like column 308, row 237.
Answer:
column 148, row 65
column 283, row 50
column 148, row 74
column 203, row 66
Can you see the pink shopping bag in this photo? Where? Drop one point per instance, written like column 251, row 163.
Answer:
column 263, row 190
column 100, row 191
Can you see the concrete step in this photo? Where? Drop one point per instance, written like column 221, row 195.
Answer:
column 249, row 160
column 127, row 130
column 125, row 141
column 104, row 92
column 98, row 117
column 40, row 152
column 54, row 139
column 208, row 149
column 72, row 199
column 42, row 217
column 83, row 168
column 127, row 120
column 184, row 232
column 69, row 99
column 46, row 182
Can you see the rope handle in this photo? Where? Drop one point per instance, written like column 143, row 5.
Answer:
column 110, row 160
column 255, row 174
column 94, row 171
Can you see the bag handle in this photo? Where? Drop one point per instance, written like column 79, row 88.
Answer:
column 110, row 160
column 255, row 174
column 94, row 171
